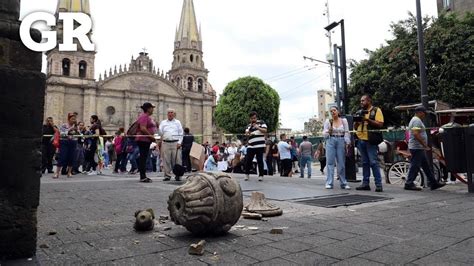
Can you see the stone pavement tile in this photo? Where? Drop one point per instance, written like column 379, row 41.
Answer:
column 262, row 253
column 457, row 230
column 368, row 242
column 290, row 245
column 276, row 261
column 466, row 246
column 229, row 258
column 431, row 241
column 250, row 241
column 315, row 228
column 221, row 246
column 444, row 258
column 356, row 261
column 309, row 258
column 70, row 249
column 337, row 250
column 406, row 250
column 338, row 235
column 151, row 259
column 291, row 232
column 179, row 255
column 104, row 255
column 388, row 257
column 174, row 243
column 363, row 229
column 316, row 240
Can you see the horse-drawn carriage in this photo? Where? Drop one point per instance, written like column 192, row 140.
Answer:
column 395, row 156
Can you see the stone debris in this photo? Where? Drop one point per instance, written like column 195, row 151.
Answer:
column 44, row 246
column 136, row 242
column 253, row 228
column 240, row 226
column 166, row 228
column 163, row 217
column 197, row 249
column 264, row 220
column 254, row 216
column 52, row 233
column 276, row 231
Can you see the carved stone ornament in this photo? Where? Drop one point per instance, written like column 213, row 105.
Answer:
column 208, row 203
column 258, row 204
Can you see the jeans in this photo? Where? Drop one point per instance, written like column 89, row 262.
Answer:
column 133, row 156
column 144, row 148
column 306, row 161
column 418, row 158
column 369, row 161
column 121, row 162
column 251, row 152
column 186, row 159
column 336, row 154
column 67, row 152
column 270, row 165
column 47, row 152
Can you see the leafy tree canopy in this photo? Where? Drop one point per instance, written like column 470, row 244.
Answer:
column 391, row 73
column 242, row 96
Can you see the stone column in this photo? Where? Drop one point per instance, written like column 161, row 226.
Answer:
column 22, row 88
column 187, row 113
column 127, row 111
column 90, row 104
column 207, row 121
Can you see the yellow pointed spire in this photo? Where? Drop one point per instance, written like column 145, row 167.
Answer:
column 74, row 6
column 188, row 29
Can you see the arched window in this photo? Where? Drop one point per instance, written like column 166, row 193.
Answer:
column 82, row 69
column 200, row 85
column 191, row 58
column 178, row 82
column 66, row 67
column 190, row 83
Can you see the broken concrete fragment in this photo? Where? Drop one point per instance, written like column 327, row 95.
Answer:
column 276, row 231
column 166, row 228
column 197, row 249
column 52, row 233
column 44, row 246
column 163, row 217
column 253, row 228
column 249, row 215
column 239, row 226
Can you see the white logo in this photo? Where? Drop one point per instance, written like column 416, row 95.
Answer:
column 69, row 33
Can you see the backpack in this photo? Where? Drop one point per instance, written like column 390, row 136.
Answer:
column 133, row 129
column 375, row 138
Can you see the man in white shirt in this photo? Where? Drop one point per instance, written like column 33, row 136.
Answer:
column 171, row 132
column 285, row 155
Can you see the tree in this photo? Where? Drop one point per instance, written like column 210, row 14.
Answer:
column 242, row 96
column 314, row 126
column 391, row 73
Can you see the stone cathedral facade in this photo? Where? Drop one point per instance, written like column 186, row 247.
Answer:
column 117, row 95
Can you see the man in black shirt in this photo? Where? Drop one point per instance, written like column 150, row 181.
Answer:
column 47, row 147
column 255, row 132
column 186, row 145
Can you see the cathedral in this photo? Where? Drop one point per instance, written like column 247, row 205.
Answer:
column 117, row 95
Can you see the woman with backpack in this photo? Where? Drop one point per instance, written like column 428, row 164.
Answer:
column 145, row 136
column 336, row 133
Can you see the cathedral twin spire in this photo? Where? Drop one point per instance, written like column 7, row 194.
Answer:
column 188, row 31
column 74, row 6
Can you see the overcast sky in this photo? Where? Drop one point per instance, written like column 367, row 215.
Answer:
column 263, row 38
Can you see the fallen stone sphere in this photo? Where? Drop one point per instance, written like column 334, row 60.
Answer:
column 208, row 203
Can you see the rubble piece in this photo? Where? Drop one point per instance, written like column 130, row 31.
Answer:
column 250, row 215
column 166, row 228
column 163, row 217
column 258, row 204
column 52, row 233
column 276, row 231
column 239, row 226
column 253, row 228
column 144, row 220
column 197, row 249
column 264, row 220
column 208, row 203
column 44, row 246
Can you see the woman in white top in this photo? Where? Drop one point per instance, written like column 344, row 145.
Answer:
column 336, row 133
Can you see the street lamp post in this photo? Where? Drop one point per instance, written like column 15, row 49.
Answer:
column 343, row 66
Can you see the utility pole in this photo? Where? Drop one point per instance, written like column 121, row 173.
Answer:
column 330, row 56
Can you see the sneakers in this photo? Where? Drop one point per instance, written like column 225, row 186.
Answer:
column 346, row 187
column 246, row 178
column 437, row 185
column 328, row 187
column 260, row 178
column 412, row 187
column 363, row 187
column 92, row 173
column 378, row 189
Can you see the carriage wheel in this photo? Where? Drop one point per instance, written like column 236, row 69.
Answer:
column 398, row 174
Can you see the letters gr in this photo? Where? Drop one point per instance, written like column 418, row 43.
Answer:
column 69, row 32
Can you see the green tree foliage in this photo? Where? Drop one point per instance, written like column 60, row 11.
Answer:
column 391, row 73
column 242, row 96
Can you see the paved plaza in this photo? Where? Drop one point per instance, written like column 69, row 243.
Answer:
column 89, row 220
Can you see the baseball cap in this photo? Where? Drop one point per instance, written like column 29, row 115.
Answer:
column 420, row 109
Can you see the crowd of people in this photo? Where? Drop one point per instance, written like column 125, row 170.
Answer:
column 166, row 147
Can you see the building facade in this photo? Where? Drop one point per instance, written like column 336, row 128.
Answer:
column 117, row 95
column 325, row 100
column 455, row 5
